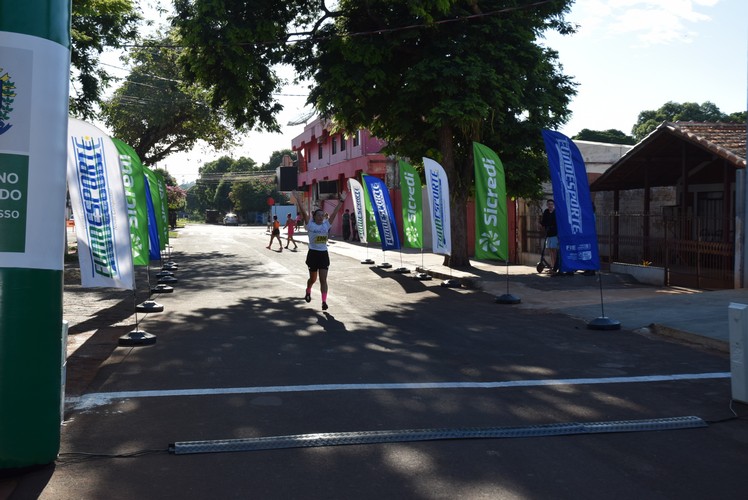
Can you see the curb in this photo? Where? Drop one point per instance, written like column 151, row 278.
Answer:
column 690, row 338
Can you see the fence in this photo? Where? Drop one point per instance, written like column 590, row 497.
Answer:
column 695, row 252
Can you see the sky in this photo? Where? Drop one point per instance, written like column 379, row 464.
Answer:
column 627, row 56
column 630, row 56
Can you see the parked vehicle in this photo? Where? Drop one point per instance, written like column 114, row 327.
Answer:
column 230, row 220
column 212, row 217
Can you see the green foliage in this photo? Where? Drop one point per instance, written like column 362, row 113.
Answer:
column 276, row 159
column 686, row 112
column 610, row 136
column 159, row 115
column 230, row 185
column 232, row 46
column 96, row 25
column 169, row 179
column 429, row 77
column 252, row 195
column 176, row 197
column 221, row 200
column 433, row 89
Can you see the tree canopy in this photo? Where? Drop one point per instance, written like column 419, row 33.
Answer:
column 688, row 111
column 252, row 195
column 96, row 25
column 276, row 159
column 169, row 179
column 428, row 77
column 610, row 136
column 158, row 114
column 232, row 47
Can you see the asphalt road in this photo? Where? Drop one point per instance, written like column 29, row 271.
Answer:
column 240, row 355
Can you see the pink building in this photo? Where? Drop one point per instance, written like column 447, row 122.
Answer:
column 327, row 159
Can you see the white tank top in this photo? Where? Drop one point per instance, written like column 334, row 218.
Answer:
column 318, row 234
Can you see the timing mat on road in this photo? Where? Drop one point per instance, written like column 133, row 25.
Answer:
column 412, row 435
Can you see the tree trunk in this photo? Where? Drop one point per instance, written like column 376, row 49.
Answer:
column 458, row 198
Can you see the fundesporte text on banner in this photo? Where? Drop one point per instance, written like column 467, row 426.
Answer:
column 575, row 217
column 491, row 224
column 410, row 191
column 385, row 216
column 437, row 186
column 97, row 196
column 359, row 201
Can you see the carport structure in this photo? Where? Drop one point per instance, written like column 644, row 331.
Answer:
column 672, row 201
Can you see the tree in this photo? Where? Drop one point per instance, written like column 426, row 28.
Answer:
column 221, row 198
column 217, row 180
column 675, row 112
column 232, row 47
column 176, row 197
column 159, row 115
column 276, row 159
column 169, row 179
column 428, row 77
column 610, row 136
column 252, row 195
column 202, row 194
column 434, row 89
column 95, row 26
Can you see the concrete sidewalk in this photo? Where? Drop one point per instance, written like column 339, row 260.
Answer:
column 691, row 315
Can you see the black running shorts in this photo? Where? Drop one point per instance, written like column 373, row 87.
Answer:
column 317, row 259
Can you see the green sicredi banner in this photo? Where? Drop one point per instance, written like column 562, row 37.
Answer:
column 162, row 222
column 34, row 73
column 164, row 213
column 412, row 199
column 491, row 225
column 137, row 210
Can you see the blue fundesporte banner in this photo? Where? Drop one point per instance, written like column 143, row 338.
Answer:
column 577, row 235
column 154, row 239
column 385, row 216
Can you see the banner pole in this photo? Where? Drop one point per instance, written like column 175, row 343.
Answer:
column 34, row 73
column 508, row 298
column 367, row 260
column 423, row 275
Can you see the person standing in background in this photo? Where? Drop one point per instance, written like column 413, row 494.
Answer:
column 548, row 221
column 354, row 228
column 346, row 225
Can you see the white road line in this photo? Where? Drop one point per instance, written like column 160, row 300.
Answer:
column 88, row 401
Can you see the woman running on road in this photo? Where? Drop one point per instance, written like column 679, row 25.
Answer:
column 317, row 258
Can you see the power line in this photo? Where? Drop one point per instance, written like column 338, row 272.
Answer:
column 217, row 177
column 307, row 35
